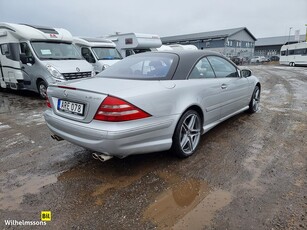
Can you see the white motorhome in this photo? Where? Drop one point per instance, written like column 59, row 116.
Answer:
column 294, row 54
column 175, row 47
column 101, row 53
column 131, row 43
column 32, row 57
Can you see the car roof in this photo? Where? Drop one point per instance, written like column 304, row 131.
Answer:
column 186, row 61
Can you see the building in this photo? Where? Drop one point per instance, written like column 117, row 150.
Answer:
column 271, row 45
column 230, row 42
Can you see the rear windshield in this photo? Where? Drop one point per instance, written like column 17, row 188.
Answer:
column 146, row 66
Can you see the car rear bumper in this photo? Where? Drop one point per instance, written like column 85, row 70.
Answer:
column 116, row 139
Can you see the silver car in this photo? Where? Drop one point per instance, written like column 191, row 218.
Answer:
column 151, row 102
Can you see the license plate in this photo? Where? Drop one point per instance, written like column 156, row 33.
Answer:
column 71, row 107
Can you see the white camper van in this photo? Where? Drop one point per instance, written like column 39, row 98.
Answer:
column 101, row 53
column 294, row 54
column 131, row 43
column 175, row 47
column 32, row 57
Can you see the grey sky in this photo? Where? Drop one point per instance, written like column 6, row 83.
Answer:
column 92, row 18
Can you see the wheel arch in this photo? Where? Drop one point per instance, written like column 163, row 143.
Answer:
column 196, row 108
column 39, row 79
column 259, row 85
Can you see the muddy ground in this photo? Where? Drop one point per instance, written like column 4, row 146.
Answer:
column 249, row 172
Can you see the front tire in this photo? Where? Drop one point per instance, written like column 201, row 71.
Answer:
column 42, row 89
column 255, row 100
column 187, row 134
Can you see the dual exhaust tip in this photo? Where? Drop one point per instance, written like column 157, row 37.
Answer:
column 97, row 156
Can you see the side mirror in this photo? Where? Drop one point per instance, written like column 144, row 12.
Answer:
column 246, row 73
column 25, row 59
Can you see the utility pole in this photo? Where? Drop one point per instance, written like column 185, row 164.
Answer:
column 289, row 34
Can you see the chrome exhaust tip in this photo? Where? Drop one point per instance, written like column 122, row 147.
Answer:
column 101, row 157
column 56, row 137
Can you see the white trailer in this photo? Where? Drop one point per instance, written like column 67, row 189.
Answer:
column 294, row 54
column 131, row 43
column 101, row 53
column 32, row 57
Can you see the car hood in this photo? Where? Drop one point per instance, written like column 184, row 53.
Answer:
column 70, row 66
column 109, row 62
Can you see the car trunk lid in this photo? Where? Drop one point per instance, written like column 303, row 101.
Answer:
column 79, row 100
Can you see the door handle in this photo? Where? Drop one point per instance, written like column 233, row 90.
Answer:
column 224, row 86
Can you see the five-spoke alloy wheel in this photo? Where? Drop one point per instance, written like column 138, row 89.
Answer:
column 187, row 134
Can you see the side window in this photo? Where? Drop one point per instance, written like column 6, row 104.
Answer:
column 87, row 54
column 202, row 69
column 25, row 49
column 222, row 67
column 5, row 49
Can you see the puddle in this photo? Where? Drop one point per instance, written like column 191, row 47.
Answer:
column 189, row 204
column 11, row 198
column 204, row 212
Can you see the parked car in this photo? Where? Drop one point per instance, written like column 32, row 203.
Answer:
column 151, row 102
column 237, row 60
column 258, row 59
column 274, row 58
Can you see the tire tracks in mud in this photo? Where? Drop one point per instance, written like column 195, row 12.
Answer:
column 275, row 160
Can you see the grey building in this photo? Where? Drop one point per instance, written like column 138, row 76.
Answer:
column 231, row 42
column 271, row 45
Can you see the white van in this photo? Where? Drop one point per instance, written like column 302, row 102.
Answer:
column 131, row 43
column 32, row 57
column 101, row 53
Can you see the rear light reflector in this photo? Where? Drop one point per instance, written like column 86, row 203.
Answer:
column 114, row 110
column 48, row 103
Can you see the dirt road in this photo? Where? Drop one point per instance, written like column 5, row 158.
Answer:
column 249, row 172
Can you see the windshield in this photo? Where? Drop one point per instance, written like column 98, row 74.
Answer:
column 147, row 66
column 55, row 51
column 106, row 53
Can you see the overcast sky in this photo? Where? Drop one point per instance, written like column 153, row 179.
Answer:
column 93, row 18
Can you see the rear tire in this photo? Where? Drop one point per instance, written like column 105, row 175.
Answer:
column 187, row 134
column 255, row 100
column 42, row 89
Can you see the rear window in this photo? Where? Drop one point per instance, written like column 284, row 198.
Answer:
column 146, row 66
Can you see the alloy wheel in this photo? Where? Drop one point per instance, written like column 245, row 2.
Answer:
column 190, row 133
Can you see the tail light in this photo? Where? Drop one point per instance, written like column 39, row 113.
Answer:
column 114, row 109
column 48, row 102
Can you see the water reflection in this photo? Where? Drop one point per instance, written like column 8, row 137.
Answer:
column 187, row 204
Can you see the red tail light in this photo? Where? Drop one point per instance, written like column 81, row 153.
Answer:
column 48, row 103
column 114, row 109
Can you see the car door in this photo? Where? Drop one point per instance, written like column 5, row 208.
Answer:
column 234, row 94
column 210, row 90
column 29, row 69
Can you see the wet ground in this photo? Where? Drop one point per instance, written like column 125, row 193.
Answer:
column 249, row 172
